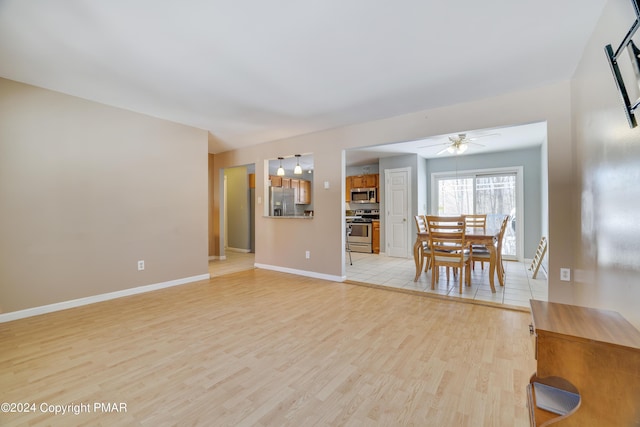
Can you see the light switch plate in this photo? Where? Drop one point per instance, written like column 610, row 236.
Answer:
column 565, row 274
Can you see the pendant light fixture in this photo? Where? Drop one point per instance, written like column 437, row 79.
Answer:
column 298, row 168
column 280, row 171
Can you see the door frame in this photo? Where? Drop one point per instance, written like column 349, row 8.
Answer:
column 519, row 171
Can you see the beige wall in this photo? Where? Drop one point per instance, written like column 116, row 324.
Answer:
column 87, row 190
column 607, row 233
column 282, row 242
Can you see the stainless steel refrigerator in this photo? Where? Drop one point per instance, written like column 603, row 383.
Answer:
column 282, row 201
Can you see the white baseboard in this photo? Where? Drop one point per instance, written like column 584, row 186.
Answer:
column 217, row 257
column 239, row 250
column 301, row 272
column 35, row 311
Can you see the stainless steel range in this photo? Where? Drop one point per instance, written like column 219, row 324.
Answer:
column 360, row 236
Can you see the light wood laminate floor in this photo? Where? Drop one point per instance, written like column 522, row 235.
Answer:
column 233, row 262
column 263, row 348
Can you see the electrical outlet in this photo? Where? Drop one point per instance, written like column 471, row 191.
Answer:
column 565, row 274
column 140, row 265
column 307, row 254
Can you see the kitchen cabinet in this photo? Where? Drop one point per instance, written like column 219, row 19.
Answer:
column 348, row 189
column 276, row 181
column 375, row 236
column 588, row 367
column 304, row 192
column 364, row 181
column 286, row 182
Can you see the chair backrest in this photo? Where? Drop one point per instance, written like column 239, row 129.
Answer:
column 476, row 220
column 421, row 223
column 503, row 228
column 447, row 238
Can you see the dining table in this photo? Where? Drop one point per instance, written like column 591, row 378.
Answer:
column 487, row 237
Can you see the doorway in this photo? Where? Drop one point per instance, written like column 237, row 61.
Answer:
column 237, row 225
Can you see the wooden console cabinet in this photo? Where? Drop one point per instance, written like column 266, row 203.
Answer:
column 590, row 352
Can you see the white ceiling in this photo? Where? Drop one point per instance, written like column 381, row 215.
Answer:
column 252, row 71
column 483, row 141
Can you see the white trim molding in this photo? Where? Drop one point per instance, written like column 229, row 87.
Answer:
column 35, row 311
column 305, row 273
column 239, row 250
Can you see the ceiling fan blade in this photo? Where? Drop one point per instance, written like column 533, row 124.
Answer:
column 482, row 136
column 434, row 145
column 442, row 151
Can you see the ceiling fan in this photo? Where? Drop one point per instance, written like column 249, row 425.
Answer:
column 458, row 144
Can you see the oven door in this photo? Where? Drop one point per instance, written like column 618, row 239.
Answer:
column 360, row 232
column 359, row 239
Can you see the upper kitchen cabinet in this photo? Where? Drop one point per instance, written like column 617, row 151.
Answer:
column 304, row 192
column 364, row 181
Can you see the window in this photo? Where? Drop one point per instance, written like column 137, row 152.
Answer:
column 496, row 192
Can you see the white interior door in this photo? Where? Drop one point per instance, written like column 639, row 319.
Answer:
column 397, row 191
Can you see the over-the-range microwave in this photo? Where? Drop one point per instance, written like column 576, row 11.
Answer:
column 363, row 195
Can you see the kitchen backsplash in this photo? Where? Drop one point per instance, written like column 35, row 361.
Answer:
column 354, row 206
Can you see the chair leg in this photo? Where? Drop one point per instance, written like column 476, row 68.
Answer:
column 434, row 276
column 349, row 247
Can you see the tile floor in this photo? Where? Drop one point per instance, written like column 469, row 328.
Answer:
column 381, row 270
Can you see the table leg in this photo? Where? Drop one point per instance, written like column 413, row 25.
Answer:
column 501, row 273
column 492, row 266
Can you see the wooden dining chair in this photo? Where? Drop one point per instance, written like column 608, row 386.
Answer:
column 475, row 220
column 482, row 254
column 478, row 221
column 425, row 252
column 448, row 246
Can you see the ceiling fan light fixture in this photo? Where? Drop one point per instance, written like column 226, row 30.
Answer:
column 457, row 148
